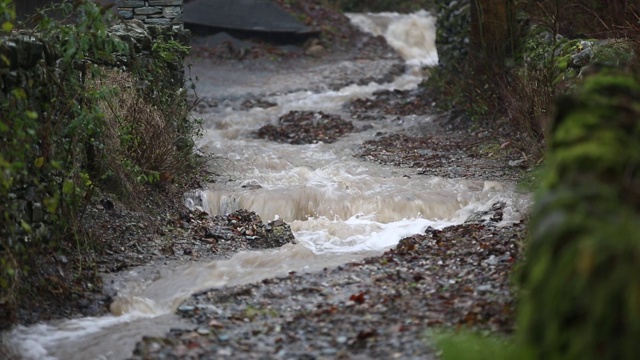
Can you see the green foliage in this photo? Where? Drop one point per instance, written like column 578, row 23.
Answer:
column 594, row 129
column 472, row 346
column 64, row 131
column 48, row 121
column 7, row 16
column 169, row 50
column 579, row 297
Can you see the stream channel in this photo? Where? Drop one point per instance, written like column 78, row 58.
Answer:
column 340, row 208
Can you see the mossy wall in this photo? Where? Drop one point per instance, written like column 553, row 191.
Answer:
column 87, row 104
column 28, row 61
column 580, row 293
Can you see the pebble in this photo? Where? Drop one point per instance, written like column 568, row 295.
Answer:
column 186, row 308
column 492, row 260
column 329, row 351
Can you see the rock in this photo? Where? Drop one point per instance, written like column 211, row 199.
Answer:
column 306, row 127
column 315, row 51
column 279, row 234
column 582, row 58
column 492, row 260
column 134, row 33
column 203, row 331
column 37, row 213
column 492, row 216
column 107, row 204
column 186, row 308
column 84, row 303
column 251, row 185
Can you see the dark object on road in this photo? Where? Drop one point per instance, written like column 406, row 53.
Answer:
column 245, row 15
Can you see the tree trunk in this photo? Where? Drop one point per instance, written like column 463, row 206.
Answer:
column 492, row 29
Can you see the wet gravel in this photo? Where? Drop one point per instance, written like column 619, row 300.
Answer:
column 382, row 307
column 305, row 127
column 448, row 147
column 396, row 102
column 137, row 238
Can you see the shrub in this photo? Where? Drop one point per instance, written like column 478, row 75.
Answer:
column 71, row 122
column 49, row 124
column 579, row 296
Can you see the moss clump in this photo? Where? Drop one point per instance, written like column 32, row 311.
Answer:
column 580, row 294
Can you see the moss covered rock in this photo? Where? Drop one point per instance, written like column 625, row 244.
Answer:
column 567, row 58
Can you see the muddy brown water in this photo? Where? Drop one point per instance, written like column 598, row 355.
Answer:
column 340, row 208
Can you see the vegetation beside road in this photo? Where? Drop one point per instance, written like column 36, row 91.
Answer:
column 565, row 78
column 86, row 118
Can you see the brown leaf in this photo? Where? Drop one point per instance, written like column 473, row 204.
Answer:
column 358, row 299
column 365, row 334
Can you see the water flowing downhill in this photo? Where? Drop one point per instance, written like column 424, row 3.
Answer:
column 339, row 208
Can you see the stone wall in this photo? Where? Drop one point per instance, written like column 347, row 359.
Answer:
column 27, row 57
column 153, row 12
column 452, row 39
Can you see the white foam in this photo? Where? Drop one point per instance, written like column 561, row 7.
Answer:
column 332, row 99
column 359, row 233
column 412, row 36
column 36, row 341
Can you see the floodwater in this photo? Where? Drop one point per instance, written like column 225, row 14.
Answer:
column 339, row 208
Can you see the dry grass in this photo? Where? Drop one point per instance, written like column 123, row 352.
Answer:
column 140, row 140
column 528, row 102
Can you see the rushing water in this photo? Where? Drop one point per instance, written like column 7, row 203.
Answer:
column 339, row 208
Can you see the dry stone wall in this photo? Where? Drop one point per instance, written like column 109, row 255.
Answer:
column 25, row 57
column 153, row 12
